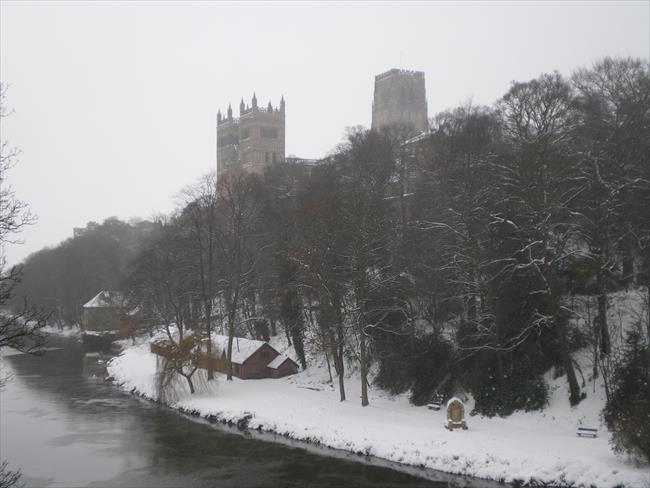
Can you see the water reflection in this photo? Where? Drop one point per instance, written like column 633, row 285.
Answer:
column 63, row 426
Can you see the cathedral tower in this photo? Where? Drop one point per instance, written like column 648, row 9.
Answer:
column 254, row 140
column 400, row 99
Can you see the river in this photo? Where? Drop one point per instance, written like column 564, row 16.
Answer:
column 63, row 426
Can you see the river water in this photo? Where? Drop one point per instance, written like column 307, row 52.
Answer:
column 64, row 427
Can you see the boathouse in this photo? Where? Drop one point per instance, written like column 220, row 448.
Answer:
column 103, row 312
column 253, row 359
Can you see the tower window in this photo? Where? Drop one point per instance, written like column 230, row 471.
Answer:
column 269, row 132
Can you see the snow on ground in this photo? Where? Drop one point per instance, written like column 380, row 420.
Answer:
column 541, row 445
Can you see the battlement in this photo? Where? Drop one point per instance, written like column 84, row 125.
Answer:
column 222, row 120
column 399, row 72
column 245, row 109
column 249, row 110
column 252, row 141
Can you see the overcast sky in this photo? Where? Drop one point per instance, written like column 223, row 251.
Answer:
column 115, row 103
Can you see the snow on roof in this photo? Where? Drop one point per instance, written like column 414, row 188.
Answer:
column 277, row 362
column 454, row 399
column 242, row 348
column 106, row 299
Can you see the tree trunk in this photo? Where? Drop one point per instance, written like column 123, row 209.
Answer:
column 648, row 322
column 500, row 372
column 210, row 365
column 208, row 330
column 338, row 353
column 339, row 368
column 567, row 363
column 273, row 329
column 596, row 347
column 298, row 345
column 341, row 371
column 231, row 333
column 628, row 256
column 329, row 367
column 603, row 328
column 286, row 332
column 191, row 385
column 364, row 368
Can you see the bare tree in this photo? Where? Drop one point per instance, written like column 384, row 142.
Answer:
column 612, row 144
column 22, row 328
column 318, row 251
column 200, row 214
column 538, row 121
column 283, row 185
column 238, row 214
column 368, row 164
column 8, row 477
column 162, row 282
column 14, row 213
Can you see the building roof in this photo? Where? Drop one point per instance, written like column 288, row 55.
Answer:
column 279, row 361
column 242, row 348
column 106, row 299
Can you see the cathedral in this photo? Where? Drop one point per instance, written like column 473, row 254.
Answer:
column 257, row 138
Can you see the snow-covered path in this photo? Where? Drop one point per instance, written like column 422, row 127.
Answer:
column 542, row 446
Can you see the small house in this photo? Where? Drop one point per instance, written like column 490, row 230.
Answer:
column 103, row 312
column 253, row 359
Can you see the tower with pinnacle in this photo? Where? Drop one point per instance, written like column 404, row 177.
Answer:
column 254, row 140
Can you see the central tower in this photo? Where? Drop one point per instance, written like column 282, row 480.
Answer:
column 400, row 99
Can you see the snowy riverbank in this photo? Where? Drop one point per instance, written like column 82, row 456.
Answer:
column 539, row 446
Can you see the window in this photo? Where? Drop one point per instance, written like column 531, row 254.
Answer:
column 269, row 132
column 227, row 139
column 273, row 157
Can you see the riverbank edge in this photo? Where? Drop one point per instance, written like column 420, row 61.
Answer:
column 241, row 423
column 134, row 371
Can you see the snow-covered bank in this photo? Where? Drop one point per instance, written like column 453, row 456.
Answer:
column 538, row 446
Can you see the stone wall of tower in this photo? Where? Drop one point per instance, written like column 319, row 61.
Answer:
column 262, row 139
column 400, row 98
column 227, row 145
column 253, row 141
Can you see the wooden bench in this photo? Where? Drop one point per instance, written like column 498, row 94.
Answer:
column 586, row 432
column 435, row 402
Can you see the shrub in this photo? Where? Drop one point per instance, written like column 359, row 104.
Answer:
column 416, row 363
column 627, row 412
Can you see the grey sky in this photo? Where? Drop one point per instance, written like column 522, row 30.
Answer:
column 115, row 103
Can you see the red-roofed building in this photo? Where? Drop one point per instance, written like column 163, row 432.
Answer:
column 253, row 359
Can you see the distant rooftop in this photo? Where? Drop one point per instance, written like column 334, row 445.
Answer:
column 106, row 299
